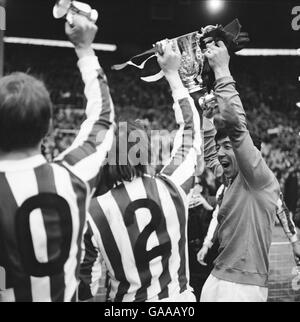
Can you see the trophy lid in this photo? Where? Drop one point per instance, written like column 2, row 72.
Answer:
column 61, row 8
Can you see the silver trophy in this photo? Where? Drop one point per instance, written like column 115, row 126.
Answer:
column 68, row 8
column 192, row 67
column 192, row 61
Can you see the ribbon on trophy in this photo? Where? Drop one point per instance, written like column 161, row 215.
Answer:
column 140, row 61
column 192, row 47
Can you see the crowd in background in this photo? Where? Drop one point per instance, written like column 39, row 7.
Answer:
column 268, row 88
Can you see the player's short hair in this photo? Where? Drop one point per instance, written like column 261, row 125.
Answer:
column 25, row 112
column 223, row 133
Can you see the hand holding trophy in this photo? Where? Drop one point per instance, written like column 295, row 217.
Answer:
column 195, row 71
column 191, row 58
column 169, row 57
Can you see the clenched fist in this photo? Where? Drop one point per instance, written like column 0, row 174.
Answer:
column 218, row 58
column 82, row 32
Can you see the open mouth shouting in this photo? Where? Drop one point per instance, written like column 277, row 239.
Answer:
column 225, row 164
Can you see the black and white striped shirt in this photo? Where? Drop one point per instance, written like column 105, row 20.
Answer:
column 43, row 205
column 140, row 228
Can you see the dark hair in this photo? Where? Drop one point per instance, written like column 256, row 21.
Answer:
column 121, row 167
column 223, row 133
column 25, row 112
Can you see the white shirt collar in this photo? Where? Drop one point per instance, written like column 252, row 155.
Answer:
column 23, row 164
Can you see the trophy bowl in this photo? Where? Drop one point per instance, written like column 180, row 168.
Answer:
column 192, row 61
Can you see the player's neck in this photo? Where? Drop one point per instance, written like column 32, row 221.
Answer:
column 19, row 155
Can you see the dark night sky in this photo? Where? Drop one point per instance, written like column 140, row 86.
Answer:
column 130, row 21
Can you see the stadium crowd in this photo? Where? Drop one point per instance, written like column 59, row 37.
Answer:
column 92, row 197
column 271, row 109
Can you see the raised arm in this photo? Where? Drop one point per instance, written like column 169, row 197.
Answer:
column 181, row 167
column 89, row 150
column 251, row 163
